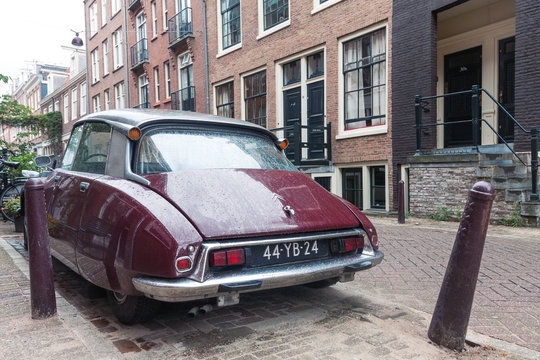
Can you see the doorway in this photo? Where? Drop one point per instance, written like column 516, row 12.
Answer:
column 462, row 70
column 506, row 87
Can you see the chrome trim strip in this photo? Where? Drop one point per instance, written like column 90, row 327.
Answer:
column 200, row 272
column 184, row 289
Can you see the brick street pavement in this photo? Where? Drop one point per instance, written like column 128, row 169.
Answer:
column 507, row 299
column 341, row 322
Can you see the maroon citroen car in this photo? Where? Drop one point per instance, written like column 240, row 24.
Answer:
column 172, row 206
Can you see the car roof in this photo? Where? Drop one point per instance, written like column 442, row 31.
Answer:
column 125, row 119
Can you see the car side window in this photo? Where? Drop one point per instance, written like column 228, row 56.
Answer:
column 71, row 149
column 93, row 149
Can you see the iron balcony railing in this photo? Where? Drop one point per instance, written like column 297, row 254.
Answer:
column 476, row 122
column 132, row 4
column 139, row 53
column 183, row 99
column 308, row 145
column 180, row 26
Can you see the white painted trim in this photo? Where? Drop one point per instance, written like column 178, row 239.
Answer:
column 214, row 95
column 366, row 182
column 230, row 49
column 260, row 16
column 242, row 102
column 381, row 129
column 317, row 6
column 487, row 37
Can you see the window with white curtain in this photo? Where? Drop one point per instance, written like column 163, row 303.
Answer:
column 116, row 5
column 83, row 98
column 119, row 100
column 95, row 65
column 93, row 19
column 154, row 19
column 105, row 57
column 165, row 13
column 118, row 54
column 96, row 104
column 107, row 96
column 364, row 75
column 103, row 12
column 74, row 103
column 66, row 108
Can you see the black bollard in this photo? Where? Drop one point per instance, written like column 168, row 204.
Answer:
column 42, row 297
column 451, row 316
column 401, row 202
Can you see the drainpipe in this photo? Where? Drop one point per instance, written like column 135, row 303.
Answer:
column 126, row 55
column 206, row 60
column 87, row 59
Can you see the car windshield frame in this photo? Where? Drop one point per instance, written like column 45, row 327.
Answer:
column 286, row 164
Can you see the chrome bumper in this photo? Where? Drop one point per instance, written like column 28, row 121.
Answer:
column 185, row 289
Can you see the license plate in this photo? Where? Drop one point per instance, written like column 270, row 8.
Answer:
column 286, row 252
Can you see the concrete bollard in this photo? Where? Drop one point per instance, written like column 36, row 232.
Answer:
column 401, row 202
column 42, row 296
column 451, row 316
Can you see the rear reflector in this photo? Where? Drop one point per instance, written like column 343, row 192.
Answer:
column 227, row 257
column 183, row 264
column 347, row 244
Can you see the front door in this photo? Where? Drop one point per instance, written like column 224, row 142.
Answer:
column 315, row 122
column 506, row 87
column 462, row 70
column 293, row 111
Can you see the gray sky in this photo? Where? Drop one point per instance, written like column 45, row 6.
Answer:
column 35, row 30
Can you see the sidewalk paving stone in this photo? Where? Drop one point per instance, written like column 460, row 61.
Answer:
column 345, row 321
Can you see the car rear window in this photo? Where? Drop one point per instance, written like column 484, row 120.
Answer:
column 180, row 150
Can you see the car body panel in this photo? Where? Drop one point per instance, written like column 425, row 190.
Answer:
column 225, row 203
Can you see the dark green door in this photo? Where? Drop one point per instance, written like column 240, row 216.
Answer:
column 315, row 120
column 292, row 108
column 462, row 70
column 506, row 87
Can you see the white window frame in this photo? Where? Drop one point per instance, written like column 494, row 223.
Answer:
column 107, row 96
column 371, row 130
column 142, row 83
column 93, row 19
column 105, row 46
column 95, row 65
column 242, row 90
column 74, row 103
column 154, row 19
column 116, row 6
column 96, row 104
column 66, row 108
column 167, row 68
column 118, row 54
column 165, row 14
column 140, row 26
column 103, row 12
column 230, row 49
column 83, row 98
column 119, row 98
column 263, row 33
column 366, row 183
column 317, row 6
column 157, row 95
column 218, row 84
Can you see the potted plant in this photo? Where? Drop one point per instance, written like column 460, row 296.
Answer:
column 11, row 208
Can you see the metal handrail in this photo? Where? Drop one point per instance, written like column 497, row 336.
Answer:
column 139, row 52
column 476, row 120
column 183, row 99
column 180, row 25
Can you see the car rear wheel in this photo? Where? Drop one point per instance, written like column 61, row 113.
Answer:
column 132, row 309
column 322, row 283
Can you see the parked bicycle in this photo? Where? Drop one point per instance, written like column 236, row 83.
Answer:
column 11, row 188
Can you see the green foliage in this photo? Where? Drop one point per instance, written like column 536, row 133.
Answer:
column 444, row 213
column 515, row 219
column 12, row 206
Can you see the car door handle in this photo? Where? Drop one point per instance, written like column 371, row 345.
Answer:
column 84, row 186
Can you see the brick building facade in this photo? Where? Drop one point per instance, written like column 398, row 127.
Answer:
column 312, row 63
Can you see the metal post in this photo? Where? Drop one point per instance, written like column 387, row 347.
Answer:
column 451, row 316
column 418, row 115
column 475, row 109
column 401, row 202
column 297, row 144
column 42, row 297
column 534, row 164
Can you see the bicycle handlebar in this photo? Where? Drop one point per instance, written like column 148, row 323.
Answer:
column 11, row 164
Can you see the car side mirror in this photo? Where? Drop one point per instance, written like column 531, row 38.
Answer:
column 42, row 161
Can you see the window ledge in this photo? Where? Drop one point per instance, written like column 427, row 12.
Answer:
column 362, row 132
column 154, row 38
column 323, row 6
column 274, row 29
column 118, row 68
column 167, row 100
column 228, row 50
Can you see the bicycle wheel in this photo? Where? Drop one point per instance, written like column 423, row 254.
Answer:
column 12, row 191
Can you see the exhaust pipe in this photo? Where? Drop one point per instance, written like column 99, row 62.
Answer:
column 206, row 308
column 193, row 312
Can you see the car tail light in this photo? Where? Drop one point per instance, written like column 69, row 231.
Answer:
column 347, row 245
column 375, row 242
column 227, row 257
column 183, row 264
column 236, row 257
